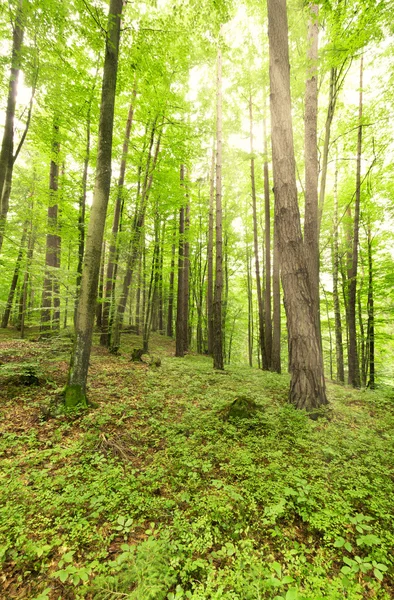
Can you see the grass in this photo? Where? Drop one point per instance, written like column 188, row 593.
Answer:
column 154, row 495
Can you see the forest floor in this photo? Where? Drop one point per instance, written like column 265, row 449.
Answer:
column 154, row 494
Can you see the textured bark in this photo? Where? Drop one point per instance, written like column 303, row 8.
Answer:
column 7, row 146
column 311, row 227
column 353, row 362
column 110, row 279
column 49, row 317
column 217, row 299
column 260, row 306
column 170, row 313
column 267, row 226
column 76, row 387
column 11, row 294
column 335, row 291
column 210, row 256
column 153, row 287
column 135, row 242
column 307, row 387
column 160, row 297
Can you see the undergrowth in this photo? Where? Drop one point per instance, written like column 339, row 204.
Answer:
column 153, row 495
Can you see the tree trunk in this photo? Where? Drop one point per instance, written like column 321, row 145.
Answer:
column 353, row 363
column 311, row 227
column 186, row 276
column 99, row 304
column 170, row 317
column 371, row 316
column 180, row 310
column 110, row 280
column 267, row 225
column 307, row 387
column 276, row 333
column 76, row 387
column 335, row 292
column 7, row 146
column 52, row 257
column 135, row 242
column 82, row 209
column 250, row 307
column 217, row 299
column 256, row 245
column 210, row 256
column 8, row 306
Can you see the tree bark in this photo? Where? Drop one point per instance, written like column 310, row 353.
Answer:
column 267, row 226
column 135, row 242
column 307, row 387
column 180, row 311
column 353, row 362
column 109, row 281
column 76, row 387
column 52, row 257
column 170, row 313
column 371, row 315
column 210, row 256
column 217, row 299
column 311, row 227
column 10, row 299
column 7, row 146
column 335, row 292
column 260, row 306
column 276, row 332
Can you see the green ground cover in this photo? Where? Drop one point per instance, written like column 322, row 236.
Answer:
column 156, row 494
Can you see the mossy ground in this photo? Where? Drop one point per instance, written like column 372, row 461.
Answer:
column 153, row 495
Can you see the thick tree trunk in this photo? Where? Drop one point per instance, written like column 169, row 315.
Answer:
column 7, row 146
column 353, row 362
column 217, row 299
column 267, row 225
column 76, row 387
column 335, row 292
column 52, row 257
column 210, row 256
column 14, row 282
column 110, row 279
column 311, row 227
column 256, row 246
column 307, row 388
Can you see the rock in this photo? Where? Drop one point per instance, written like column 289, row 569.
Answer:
column 241, row 408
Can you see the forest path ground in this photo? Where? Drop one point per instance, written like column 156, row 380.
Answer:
column 155, row 495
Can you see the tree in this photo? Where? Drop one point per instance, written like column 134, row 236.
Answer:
column 75, row 393
column 307, row 387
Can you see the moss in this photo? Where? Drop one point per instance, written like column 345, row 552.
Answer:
column 241, row 408
column 74, row 396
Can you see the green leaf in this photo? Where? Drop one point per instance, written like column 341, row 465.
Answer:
column 348, row 546
column 346, row 570
column 292, row 594
column 378, row 574
column 63, row 575
column 339, row 542
column 277, row 568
